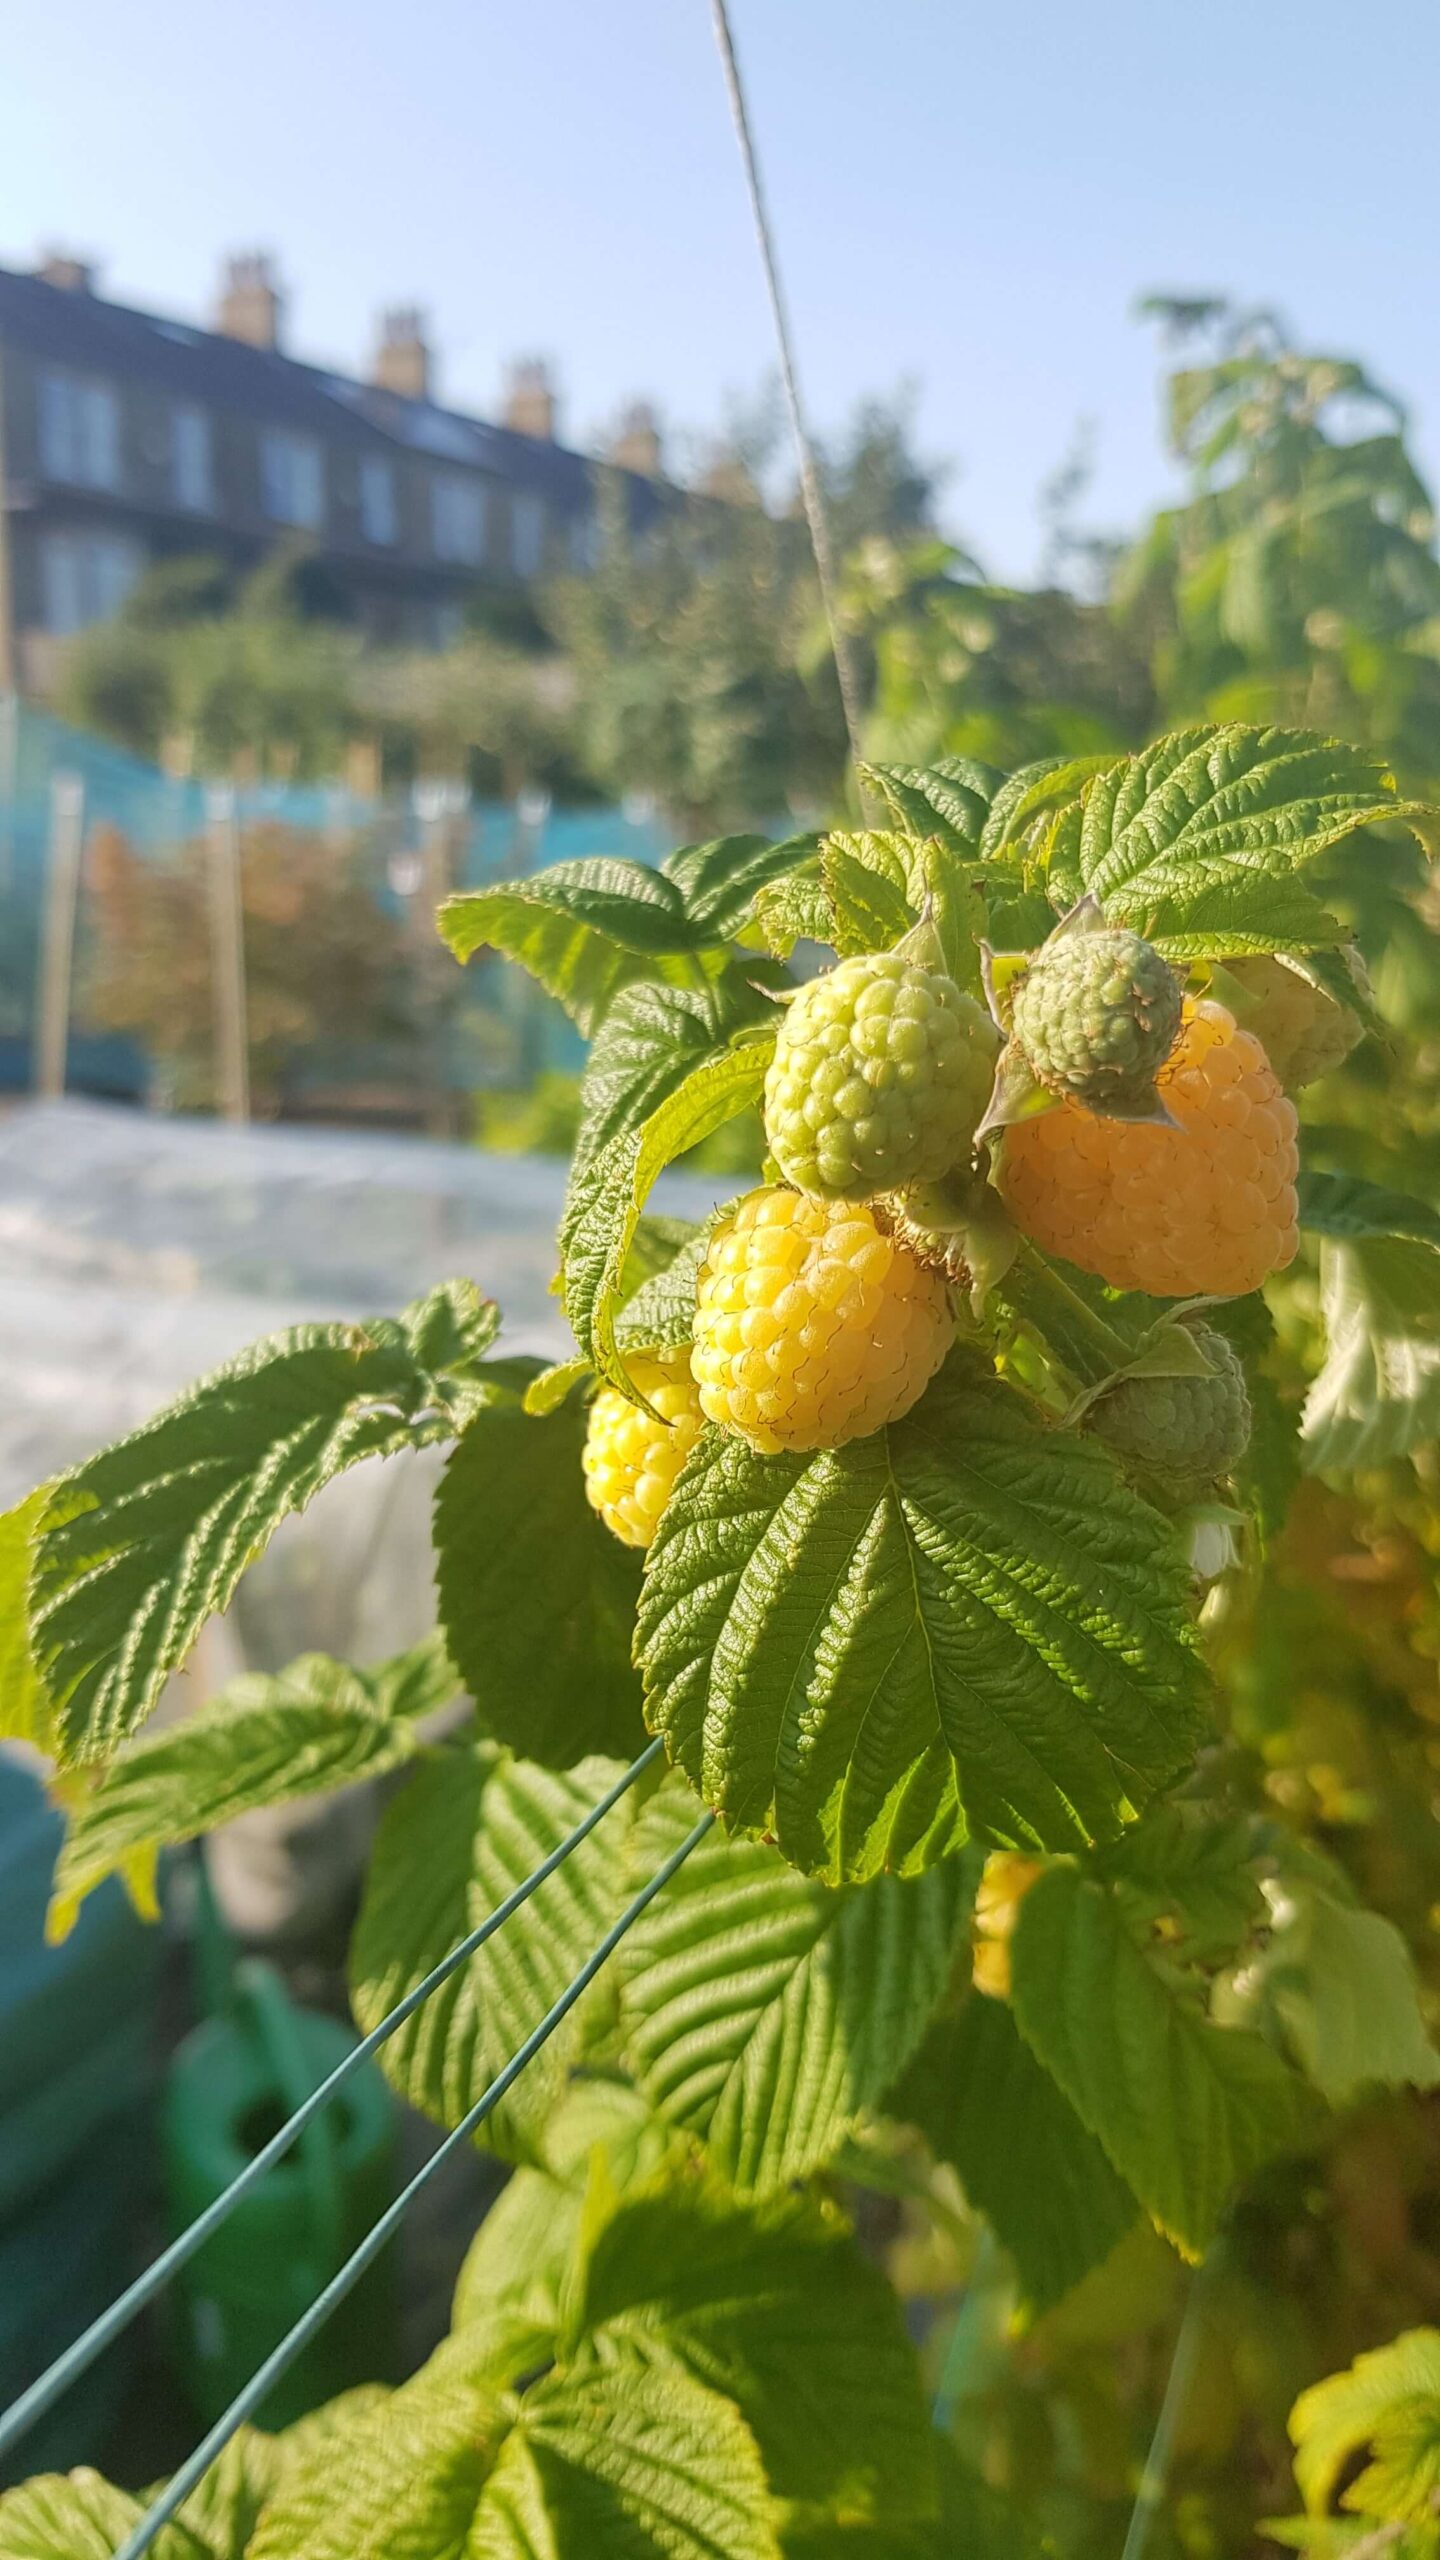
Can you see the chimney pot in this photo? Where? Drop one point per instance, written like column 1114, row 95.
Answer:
column 636, row 445
column 68, row 273
column 402, row 358
column 251, row 303
column 531, row 407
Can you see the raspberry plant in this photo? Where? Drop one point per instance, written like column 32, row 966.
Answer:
column 924, row 1503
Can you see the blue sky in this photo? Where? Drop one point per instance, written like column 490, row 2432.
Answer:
column 971, row 196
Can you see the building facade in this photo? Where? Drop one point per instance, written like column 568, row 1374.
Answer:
column 126, row 439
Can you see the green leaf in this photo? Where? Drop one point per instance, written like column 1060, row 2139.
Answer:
column 401, row 2481
column 1388, row 2400
column 880, row 885
column 467, row 1829
column 225, row 2508
column 964, row 1622
column 764, row 2012
column 24, row 1708
column 1378, row 1394
column 1343, row 1205
column 78, row 2516
column 1339, row 1983
column 584, row 929
column 652, row 1039
column 1034, row 789
column 263, row 1740
column 773, row 2306
column 719, row 882
column 795, row 909
column 144, row 1542
column 869, row 895
column 1196, row 840
column 524, row 2255
column 536, row 1598
column 1021, row 2153
column 607, row 1198
column 631, row 2459
column 1186, row 2110
column 1191, row 1875
column 661, row 1315
column 949, row 799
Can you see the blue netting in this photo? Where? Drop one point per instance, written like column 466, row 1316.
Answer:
column 498, row 1034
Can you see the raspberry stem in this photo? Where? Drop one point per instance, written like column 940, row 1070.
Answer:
column 1035, row 1290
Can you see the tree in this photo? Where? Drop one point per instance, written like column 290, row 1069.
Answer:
column 1299, row 581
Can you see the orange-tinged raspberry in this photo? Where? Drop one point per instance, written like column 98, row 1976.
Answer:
column 1204, row 1209
column 631, row 1461
column 811, row 1326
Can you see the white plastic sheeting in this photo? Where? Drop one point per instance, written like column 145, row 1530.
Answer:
column 138, row 1252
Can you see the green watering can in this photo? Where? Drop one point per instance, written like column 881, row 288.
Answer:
column 231, row 2085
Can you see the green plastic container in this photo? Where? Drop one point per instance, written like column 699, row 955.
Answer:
column 231, row 2085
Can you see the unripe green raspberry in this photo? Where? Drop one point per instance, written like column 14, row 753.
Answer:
column 1097, row 1015
column 880, row 1074
column 1176, row 1435
column 1303, row 1031
column 811, row 1327
column 631, row 1461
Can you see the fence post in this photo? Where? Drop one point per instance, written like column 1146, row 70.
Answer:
column 9, row 786
column 227, row 953
column 440, row 807
column 57, row 934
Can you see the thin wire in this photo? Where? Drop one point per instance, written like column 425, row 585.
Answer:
column 816, row 511
column 248, row 2400
column 67, row 2368
column 1153, row 2478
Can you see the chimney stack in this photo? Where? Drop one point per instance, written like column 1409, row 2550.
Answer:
column 530, row 403
column 728, row 477
column 636, row 445
column 251, row 303
column 402, row 359
column 66, row 272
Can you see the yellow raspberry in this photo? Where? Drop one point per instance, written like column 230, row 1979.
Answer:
column 631, row 1461
column 811, row 1326
column 1305, row 1032
column 1004, row 1883
column 1203, row 1209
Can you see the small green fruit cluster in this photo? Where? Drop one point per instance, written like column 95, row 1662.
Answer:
column 1175, row 1436
column 1096, row 1016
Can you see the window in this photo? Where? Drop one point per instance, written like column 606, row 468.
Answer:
column 191, row 473
column 458, row 520
column 379, row 521
column 86, row 577
column 584, row 542
column 292, row 481
column 527, row 536
column 79, row 431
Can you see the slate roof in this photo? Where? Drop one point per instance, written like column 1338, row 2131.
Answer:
column 60, row 326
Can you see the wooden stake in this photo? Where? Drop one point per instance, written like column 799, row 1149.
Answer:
column 227, row 954
column 55, row 983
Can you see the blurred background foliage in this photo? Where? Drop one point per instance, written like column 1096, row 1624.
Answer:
column 1296, row 580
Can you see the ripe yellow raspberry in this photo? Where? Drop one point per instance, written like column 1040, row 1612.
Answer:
column 631, row 1461
column 1204, row 1209
column 811, row 1326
